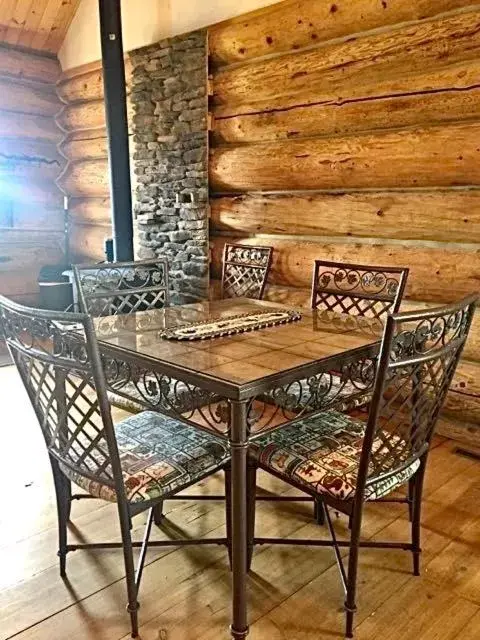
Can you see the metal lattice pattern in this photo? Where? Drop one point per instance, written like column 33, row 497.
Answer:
column 359, row 290
column 245, row 271
column 53, row 357
column 423, row 352
column 123, row 287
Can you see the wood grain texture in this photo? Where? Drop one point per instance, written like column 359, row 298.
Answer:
column 436, row 274
column 23, row 252
column 83, row 115
column 448, row 216
column 31, row 127
column 345, row 116
column 28, row 66
column 421, row 57
column 84, row 145
column 424, row 157
column 86, row 83
column 86, row 242
column 36, row 24
column 91, row 211
column 86, row 178
column 288, row 26
column 32, row 98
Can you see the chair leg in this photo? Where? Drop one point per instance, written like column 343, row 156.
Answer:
column 411, row 498
column 158, row 513
column 350, row 603
column 416, row 513
column 228, row 510
column 319, row 511
column 63, row 497
column 125, row 528
column 251, row 508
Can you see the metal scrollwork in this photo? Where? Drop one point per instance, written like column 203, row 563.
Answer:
column 245, row 270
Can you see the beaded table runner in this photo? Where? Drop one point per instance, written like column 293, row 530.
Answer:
column 230, row 325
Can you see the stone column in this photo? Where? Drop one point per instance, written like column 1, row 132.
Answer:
column 169, row 96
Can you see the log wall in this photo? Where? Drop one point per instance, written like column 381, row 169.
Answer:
column 32, row 230
column 349, row 131
column 85, row 179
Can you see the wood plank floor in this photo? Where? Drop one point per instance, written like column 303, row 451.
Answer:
column 294, row 592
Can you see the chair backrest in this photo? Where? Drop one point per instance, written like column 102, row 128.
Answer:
column 57, row 356
column 420, row 352
column 114, row 288
column 360, row 290
column 245, row 271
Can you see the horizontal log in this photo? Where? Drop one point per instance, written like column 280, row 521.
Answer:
column 35, row 216
column 414, row 58
column 448, row 216
column 85, row 145
column 436, row 274
column 87, row 85
column 423, row 157
column 23, row 254
column 299, row 23
column 32, row 191
column 463, row 399
column 41, row 128
column 86, row 242
column 83, row 115
column 346, row 117
column 32, row 98
column 29, row 66
column 87, row 178
column 29, row 160
column 91, row 211
column 463, row 432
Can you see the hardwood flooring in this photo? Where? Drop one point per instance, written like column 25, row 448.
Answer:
column 294, row 592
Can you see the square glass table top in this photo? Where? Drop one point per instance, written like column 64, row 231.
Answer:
column 242, row 358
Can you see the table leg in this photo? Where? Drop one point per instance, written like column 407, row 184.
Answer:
column 239, row 451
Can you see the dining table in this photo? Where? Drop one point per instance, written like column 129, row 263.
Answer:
column 239, row 367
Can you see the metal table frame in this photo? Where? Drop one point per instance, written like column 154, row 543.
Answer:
column 233, row 411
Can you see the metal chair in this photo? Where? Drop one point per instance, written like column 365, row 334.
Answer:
column 355, row 289
column 122, row 288
column 245, row 271
column 114, row 288
column 136, row 463
column 346, row 462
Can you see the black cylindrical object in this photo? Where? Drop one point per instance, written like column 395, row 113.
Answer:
column 117, row 127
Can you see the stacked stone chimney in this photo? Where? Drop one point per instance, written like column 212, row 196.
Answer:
column 169, row 97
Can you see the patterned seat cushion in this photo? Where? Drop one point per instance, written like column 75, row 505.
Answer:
column 323, row 453
column 159, row 455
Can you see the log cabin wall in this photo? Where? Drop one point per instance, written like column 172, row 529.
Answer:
column 32, row 229
column 350, row 131
column 85, row 179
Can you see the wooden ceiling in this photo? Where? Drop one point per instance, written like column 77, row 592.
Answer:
column 36, row 24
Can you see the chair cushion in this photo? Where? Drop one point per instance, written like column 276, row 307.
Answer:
column 323, row 454
column 159, row 455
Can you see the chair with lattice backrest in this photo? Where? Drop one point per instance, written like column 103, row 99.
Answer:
column 361, row 290
column 245, row 271
column 122, row 288
column 348, row 462
column 136, row 463
column 114, row 288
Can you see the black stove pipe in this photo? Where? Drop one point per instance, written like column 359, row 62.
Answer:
column 117, row 128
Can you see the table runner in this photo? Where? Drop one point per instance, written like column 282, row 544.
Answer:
column 230, row 325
